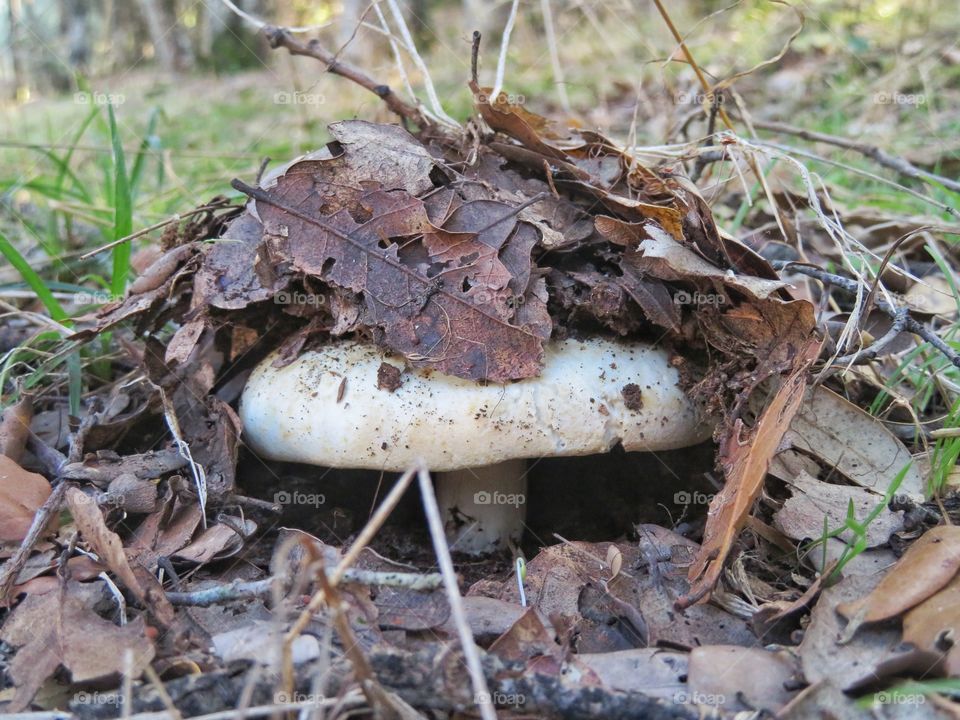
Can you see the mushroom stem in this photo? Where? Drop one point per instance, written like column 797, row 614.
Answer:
column 483, row 507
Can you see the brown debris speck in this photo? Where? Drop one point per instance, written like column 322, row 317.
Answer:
column 632, row 396
column 388, row 377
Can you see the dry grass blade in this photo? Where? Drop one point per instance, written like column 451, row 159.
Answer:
column 435, row 524
column 366, row 535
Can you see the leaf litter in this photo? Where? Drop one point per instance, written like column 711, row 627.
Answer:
column 466, row 261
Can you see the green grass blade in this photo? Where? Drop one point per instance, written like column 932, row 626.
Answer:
column 35, row 282
column 122, row 211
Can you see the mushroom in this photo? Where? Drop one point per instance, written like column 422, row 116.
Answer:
column 337, row 407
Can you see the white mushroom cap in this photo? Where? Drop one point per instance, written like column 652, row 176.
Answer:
column 326, row 409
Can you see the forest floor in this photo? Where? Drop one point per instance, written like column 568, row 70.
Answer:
column 798, row 271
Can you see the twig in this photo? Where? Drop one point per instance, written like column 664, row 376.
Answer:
column 851, row 286
column 13, row 566
column 196, row 469
column 378, row 698
column 870, row 353
column 442, row 551
column 899, row 165
column 475, row 57
column 280, row 37
column 161, row 691
column 701, row 78
column 504, row 46
column 238, row 590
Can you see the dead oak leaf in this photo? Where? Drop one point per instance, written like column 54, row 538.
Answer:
column 526, row 127
column 430, row 323
column 61, row 628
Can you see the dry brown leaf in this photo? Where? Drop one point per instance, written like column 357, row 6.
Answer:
column 102, row 539
column 926, row 567
column 534, row 641
column 218, row 541
column 488, row 618
column 512, row 119
column 21, row 495
column 872, row 654
column 655, row 672
column 15, row 428
column 745, row 459
column 934, row 626
column 628, row 234
column 742, row 678
column 858, row 445
column 802, row 514
column 663, row 257
column 457, row 328
column 61, row 628
column 404, row 609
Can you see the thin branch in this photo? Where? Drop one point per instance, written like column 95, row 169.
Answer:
column 899, row 165
column 475, row 57
column 366, row 535
column 871, row 353
column 280, row 37
column 790, row 150
column 238, row 590
column 851, row 286
column 156, row 226
column 701, row 78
